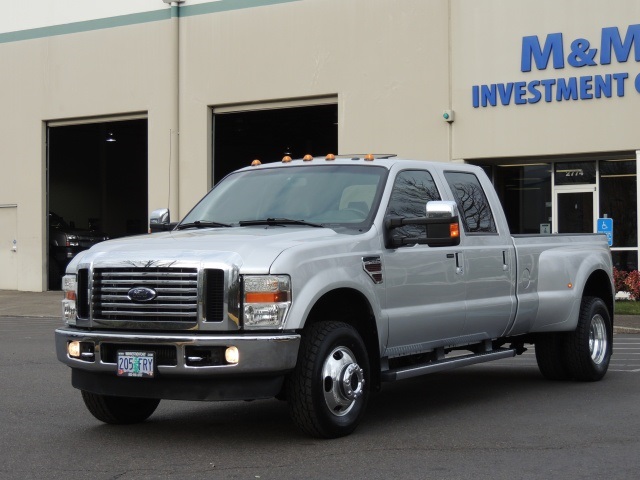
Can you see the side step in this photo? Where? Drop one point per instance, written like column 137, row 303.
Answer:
column 446, row 364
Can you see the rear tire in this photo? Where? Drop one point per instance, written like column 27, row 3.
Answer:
column 119, row 410
column 590, row 345
column 329, row 389
column 551, row 358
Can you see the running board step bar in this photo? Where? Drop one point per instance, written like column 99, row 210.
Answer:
column 446, row 364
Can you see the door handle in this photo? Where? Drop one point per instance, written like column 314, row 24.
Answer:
column 459, row 263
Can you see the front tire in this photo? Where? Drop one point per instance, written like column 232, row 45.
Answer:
column 119, row 410
column 329, row 389
column 590, row 346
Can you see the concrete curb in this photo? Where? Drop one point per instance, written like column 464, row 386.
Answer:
column 626, row 330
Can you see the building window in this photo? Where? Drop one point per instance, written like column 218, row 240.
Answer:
column 575, row 173
column 525, row 193
column 618, row 200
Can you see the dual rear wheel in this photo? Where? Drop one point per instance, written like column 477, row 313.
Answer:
column 583, row 354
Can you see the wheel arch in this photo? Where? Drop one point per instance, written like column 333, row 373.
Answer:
column 351, row 307
column 599, row 285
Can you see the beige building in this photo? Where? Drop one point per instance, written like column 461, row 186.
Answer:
column 111, row 111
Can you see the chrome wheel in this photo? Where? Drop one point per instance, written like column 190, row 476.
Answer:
column 587, row 350
column 328, row 391
column 597, row 339
column 343, row 381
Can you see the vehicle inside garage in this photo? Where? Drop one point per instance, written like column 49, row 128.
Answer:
column 97, row 187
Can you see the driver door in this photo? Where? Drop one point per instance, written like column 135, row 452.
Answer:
column 425, row 291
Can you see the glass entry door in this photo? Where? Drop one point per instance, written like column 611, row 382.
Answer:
column 574, row 210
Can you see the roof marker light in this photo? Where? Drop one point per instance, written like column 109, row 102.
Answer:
column 368, row 157
column 256, row 162
column 307, row 158
column 286, row 159
column 330, row 157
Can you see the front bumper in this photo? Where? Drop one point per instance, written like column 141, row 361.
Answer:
column 178, row 375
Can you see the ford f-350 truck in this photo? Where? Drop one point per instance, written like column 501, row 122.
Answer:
column 317, row 280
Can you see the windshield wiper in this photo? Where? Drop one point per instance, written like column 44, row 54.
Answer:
column 201, row 224
column 278, row 221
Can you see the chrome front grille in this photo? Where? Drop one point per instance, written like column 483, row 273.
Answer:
column 172, row 294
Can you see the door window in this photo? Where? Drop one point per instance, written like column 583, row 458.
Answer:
column 411, row 192
column 472, row 202
column 575, row 212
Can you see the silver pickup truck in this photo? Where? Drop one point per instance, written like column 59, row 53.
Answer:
column 316, row 280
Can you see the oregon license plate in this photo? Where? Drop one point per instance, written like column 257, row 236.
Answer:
column 135, row 364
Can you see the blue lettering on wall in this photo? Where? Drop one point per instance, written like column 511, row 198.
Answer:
column 586, row 87
column 579, row 53
column 602, row 85
column 548, row 89
column 531, row 50
column 620, row 78
column 611, row 40
column 533, row 90
column 567, row 89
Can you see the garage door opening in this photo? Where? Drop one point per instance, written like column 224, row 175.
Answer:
column 97, row 187
column 268, row 135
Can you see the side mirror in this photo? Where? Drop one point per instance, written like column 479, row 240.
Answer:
column 159, row 221
column 442, row 209
column 442, row 227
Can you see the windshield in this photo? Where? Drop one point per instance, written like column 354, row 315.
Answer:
column 340, row 195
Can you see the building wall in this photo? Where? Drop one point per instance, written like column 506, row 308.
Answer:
column 312, row 48
column 394, row 66
column 104, row 72
column 487, row 38
column 229, row 53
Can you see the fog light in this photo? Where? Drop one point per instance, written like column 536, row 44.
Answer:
column 73, row 349
column 232, row 355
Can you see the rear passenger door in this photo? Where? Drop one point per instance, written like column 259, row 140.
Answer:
column 489, row 258
column 425, row 296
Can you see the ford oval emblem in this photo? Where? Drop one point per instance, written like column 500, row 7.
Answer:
column 142, row 294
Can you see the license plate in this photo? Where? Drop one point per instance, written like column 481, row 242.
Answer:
column 135, row 364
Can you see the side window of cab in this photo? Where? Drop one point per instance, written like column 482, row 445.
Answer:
column 473, row 204
column 412, row 190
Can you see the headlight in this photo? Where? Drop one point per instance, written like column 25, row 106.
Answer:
column 266, row 300
column 69, row 302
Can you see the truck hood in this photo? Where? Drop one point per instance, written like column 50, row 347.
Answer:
column 252, row 249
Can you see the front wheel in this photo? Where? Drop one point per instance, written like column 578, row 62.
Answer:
column 119, row 410
column 589, row 347
column 329, row 388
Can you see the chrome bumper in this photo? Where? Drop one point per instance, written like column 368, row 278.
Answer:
column 259, row 354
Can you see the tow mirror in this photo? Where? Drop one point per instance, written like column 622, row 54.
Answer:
column 159, row 221
column 442, row 226
column 442, row 209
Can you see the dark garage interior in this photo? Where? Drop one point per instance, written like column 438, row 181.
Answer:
column 97, row 187
column 269, row 135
